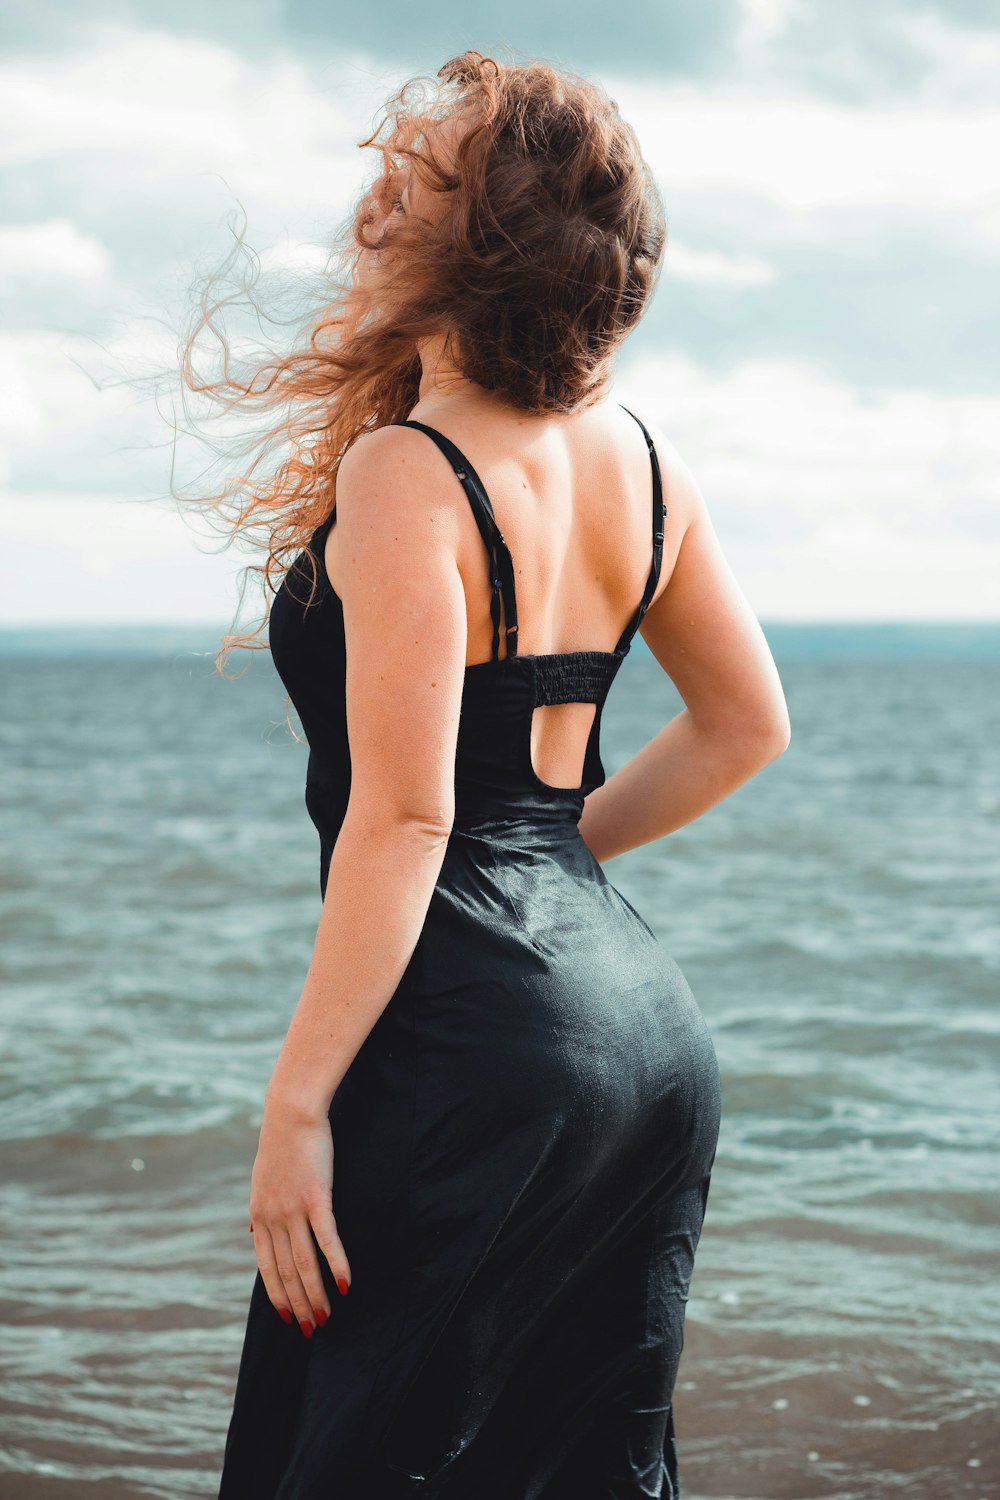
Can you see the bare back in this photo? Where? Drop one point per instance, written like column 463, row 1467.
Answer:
column 572, row 499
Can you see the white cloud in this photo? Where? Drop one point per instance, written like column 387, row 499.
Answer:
column 871, row 572
column 897, row 488
column 763, row 20
column 159, row 106
column 964, row 63
column 295, row 255
column 66, row 421
column 89, row 559
column 49, row 250
column 900, row 488
column 830, row 505
column 714, row 268
column 165, row 104
column 803, row 154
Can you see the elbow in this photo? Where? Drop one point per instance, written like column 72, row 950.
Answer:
column 754, row 740
column 429, row 826
column 432, row 829
column 773, row 739
column 750, row 742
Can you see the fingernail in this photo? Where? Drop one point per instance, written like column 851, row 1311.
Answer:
column 343, row 1285
column 286, row 1313
column 306, row 1327
column 319, row 1313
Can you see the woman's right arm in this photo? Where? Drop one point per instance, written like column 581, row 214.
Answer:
column 707, row 639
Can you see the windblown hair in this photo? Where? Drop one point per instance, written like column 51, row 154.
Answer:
column 540, row 259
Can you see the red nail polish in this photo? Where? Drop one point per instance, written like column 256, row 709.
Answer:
column 343, row 1285
column 286, row 1313
column 320, row 1314
column 306, row 1327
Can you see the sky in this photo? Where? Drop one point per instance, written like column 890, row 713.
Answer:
column 822, row 347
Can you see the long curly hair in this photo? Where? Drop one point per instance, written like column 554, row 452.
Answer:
column 541, row 258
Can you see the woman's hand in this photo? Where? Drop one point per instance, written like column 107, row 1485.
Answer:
column 291, row 1200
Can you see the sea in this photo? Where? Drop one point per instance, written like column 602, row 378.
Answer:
column 837, row 917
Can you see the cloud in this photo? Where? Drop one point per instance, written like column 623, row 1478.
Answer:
column 110, row 561
column 295, row 255
column 859, row 53
column 684, row 36
column 70, row 422
column 852, row 51
column 714, row 268
column 822, row 346
column 804, row 154
column 56, row 248
column 879, row 227
column 146, row 138
column 833, row 503
column 896, row 310
column 781, row 449
column 176, row 104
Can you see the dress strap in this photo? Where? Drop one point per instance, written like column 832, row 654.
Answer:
column 659, row 516
column 501, row 562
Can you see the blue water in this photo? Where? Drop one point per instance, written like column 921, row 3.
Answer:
column 837, row 918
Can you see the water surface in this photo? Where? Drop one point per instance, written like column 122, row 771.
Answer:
column 836, row 918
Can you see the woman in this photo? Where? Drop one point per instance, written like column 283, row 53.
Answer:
column 488, row 1138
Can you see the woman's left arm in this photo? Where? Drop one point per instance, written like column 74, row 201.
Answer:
column 405, row 624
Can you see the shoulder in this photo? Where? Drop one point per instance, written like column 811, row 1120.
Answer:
column 394, row 475
column 398, row 531
column 684, row 500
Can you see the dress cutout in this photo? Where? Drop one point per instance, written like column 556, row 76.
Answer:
column 523, row 1143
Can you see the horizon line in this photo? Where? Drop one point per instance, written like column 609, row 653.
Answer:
column 898, row 621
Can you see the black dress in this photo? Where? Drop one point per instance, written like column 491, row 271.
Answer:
column 523, row 1143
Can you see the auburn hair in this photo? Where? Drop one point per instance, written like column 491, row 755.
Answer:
column 541, row 259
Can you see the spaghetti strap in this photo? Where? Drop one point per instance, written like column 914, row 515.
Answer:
column 501, row 562
column 659, row 516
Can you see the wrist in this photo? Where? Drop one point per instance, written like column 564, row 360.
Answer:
column 296, row 1099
